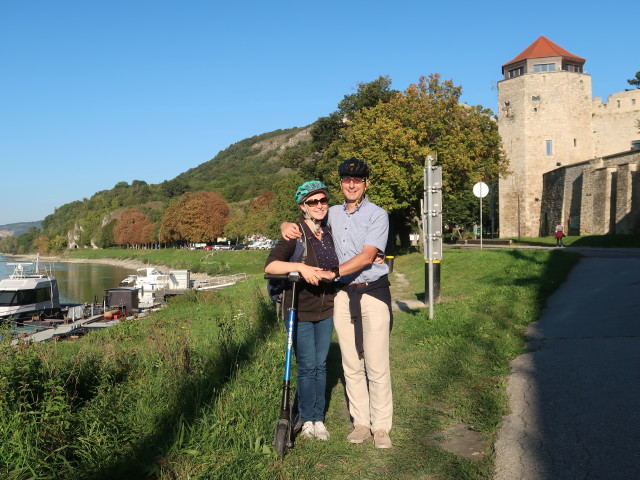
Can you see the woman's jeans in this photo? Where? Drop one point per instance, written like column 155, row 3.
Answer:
column 311, row 344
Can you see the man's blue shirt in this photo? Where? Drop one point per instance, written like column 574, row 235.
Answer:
column 367, row 225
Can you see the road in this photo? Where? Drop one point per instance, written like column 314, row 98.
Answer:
column 575, row 396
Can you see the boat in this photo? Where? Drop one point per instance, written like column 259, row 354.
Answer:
column 154, row 285
column 29, row 293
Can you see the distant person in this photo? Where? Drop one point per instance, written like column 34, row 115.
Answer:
column 314, row 325
column 559, row 235
column 457, row 234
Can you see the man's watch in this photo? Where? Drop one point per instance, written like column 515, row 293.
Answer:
column 335, row 270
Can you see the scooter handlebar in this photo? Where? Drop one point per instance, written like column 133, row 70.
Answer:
column 291, row 276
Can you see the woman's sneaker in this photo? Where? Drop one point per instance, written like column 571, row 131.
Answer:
column 308, row 430
column 321, row 431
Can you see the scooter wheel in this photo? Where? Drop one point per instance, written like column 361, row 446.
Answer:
column 282, row 438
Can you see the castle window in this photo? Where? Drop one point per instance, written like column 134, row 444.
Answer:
column 570, row 67
column 575, row 142
column 516, row 72
column 549, row 147
column 633, row 101
column 544, row 67
column 535, row 98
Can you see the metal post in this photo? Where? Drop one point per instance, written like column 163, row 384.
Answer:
column 480, row 222
column 429, row 233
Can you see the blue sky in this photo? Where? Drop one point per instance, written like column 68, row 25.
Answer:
column 97, row 92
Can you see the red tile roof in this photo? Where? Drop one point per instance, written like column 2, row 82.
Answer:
column 543, row 47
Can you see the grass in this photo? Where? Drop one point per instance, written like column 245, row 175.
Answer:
column 193, row 391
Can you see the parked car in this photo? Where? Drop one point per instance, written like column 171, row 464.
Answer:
column 208, row 247
column 240, row 246
column 264, row 245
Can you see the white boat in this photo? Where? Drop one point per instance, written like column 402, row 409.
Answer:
column 154, row 284
column 28, row 293
column 154, row 287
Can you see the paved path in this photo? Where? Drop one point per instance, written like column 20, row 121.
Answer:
column 575, row 398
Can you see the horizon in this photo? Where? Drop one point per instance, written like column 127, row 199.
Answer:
column 96, row 94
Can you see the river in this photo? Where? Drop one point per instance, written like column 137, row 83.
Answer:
column 77, row 282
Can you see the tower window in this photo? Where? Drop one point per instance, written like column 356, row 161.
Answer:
column 575, row 142
column 570, row 67
column 549, row 147
column 516, row 72
column 544, row 67
column 535, row 98
column 633, row 101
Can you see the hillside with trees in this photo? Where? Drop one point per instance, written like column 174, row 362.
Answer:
column 247, row 189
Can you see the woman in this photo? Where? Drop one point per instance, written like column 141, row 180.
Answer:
column 315, row 303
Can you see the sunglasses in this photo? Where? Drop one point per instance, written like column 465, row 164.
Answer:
column 355, row 180
column 315, row 202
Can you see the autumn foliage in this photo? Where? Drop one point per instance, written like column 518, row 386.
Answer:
column 194, row 217
column 132, row 228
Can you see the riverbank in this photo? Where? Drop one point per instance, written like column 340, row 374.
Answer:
column 127, row 263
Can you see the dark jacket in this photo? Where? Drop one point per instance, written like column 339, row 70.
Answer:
column 314, row 302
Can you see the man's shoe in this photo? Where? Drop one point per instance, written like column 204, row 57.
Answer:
column 321, row 431
column 360, row 434
column 308, row 430
column 381, row 439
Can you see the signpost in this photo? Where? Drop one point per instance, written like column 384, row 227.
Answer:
column 480, row 190
column 432, row 224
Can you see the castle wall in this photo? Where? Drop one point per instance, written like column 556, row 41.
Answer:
column 597, row 197
column 614, row 123
column 627, row 177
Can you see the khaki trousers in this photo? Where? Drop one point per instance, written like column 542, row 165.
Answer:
column 368, row 380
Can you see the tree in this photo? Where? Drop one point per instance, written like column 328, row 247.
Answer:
column 284, row 206
column 58, row 244
column 9, row 245
column 174, row 188
column 635, row 82
column 327, row 130
column 395, row 137
column 132, row 228
column 26, row 241
column 368, row 95
column 194, row 217
column 42, row 243
column 236, row 226
column 260, row 213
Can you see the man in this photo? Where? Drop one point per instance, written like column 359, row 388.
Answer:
column 362, row 308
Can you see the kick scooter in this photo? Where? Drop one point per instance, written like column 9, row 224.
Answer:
column 283, row 437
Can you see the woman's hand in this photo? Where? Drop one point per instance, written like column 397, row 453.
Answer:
column 311, row 275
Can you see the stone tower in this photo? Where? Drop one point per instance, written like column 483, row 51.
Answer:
column 544, row 119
